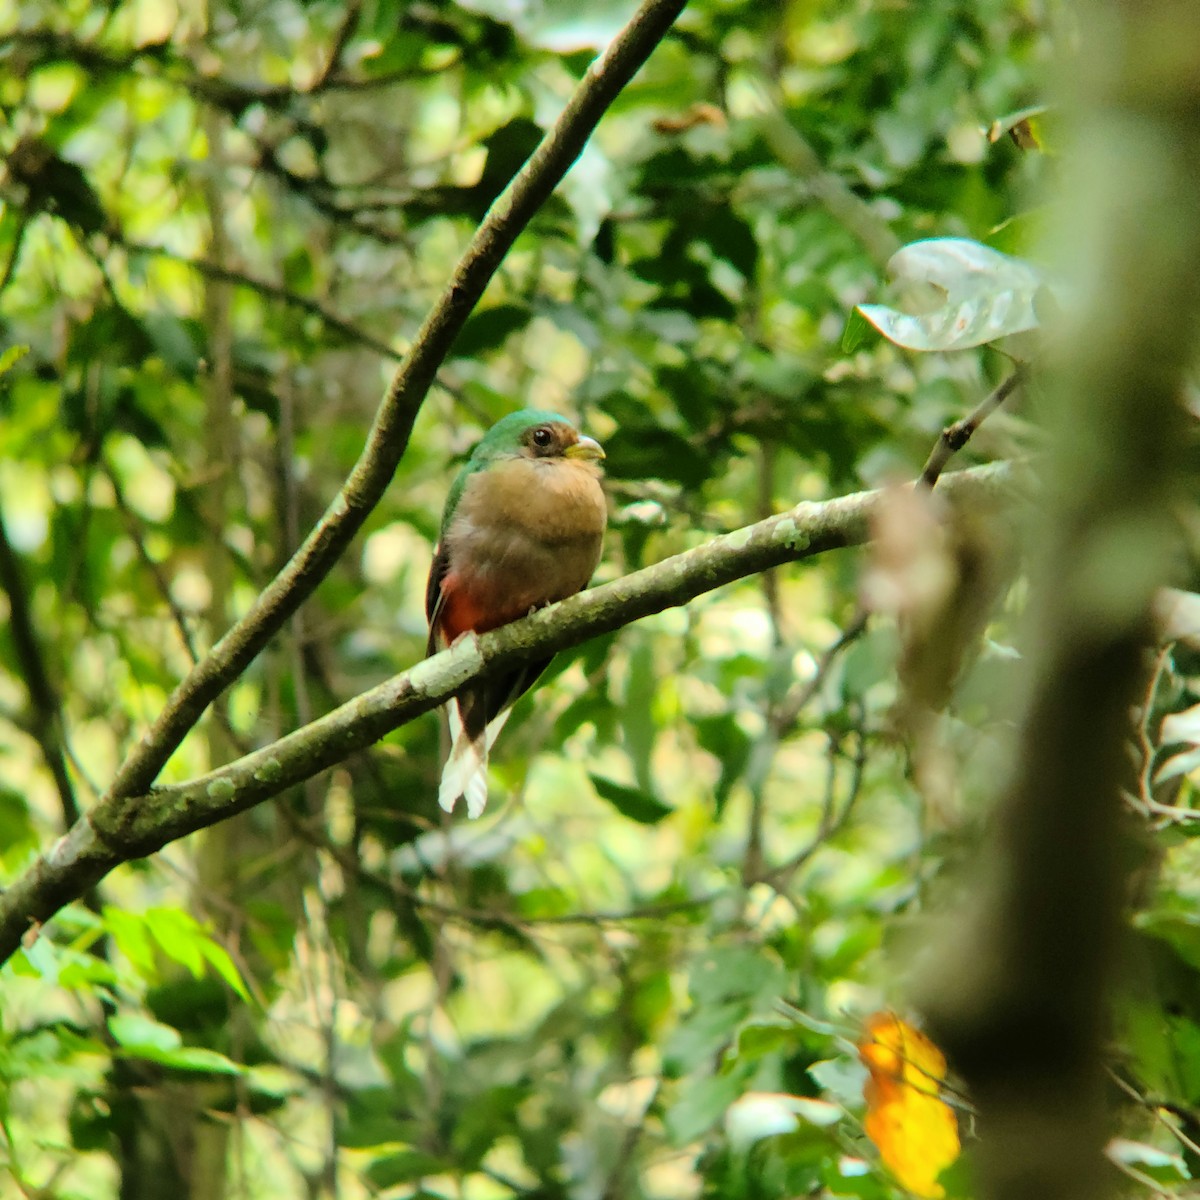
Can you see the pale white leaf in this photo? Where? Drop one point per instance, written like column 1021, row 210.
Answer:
column 1179, row 615
column 1182, row 727
column 758, row 1115
column 973, row 294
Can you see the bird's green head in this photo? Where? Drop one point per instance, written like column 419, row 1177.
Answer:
column 532, row 433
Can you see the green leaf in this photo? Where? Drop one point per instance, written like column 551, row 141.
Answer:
column 507, row 150
column 1161, row 1165
column 759, row 1038
column 701, row 1104
column 730, row 745
column 132, row 1031
column 631, row 802
column 488, row 329
column 148, row 1039
column 179, row 934
column 758, row 1115
column 856, row 331
column 736, row 972
column 406, row 1166
column 842, row 1078
column 173, row 341
column 652, row 452
column 16, row 826
column 132, row 938
column 10, row 357
column 193, row 1058
column 1181, row 727
column 218, row 958
column 1183, row 763
column 637, row 713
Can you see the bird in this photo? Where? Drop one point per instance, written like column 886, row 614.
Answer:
column 523, row 527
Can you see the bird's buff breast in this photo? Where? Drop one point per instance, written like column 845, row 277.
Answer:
column 526, row 533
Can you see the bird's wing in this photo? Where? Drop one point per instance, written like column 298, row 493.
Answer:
column 435, row 598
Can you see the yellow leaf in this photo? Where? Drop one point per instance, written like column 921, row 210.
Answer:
column 914, row 1129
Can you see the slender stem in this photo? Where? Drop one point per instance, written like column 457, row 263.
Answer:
column 45, row 713
column 955, row 437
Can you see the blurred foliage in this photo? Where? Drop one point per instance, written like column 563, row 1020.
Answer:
column 673, row 901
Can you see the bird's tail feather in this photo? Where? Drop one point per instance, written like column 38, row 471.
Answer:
column 466, row 770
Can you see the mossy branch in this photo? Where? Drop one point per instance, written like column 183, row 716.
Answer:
column 121, row 828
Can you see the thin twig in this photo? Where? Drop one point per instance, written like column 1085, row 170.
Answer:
column 137, row 535
column 833, row 819
column 799, row 694
column 955, row 437
column 1156, row 1110
column 10, row 267
column 45, row 722
column 952, row 439
column 274, row 291
column 1145, row 735
column 340, row 42
column 316, row 836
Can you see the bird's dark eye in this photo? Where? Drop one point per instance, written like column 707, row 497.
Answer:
column 542, row 437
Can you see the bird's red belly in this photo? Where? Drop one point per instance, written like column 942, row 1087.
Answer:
column 466, row 610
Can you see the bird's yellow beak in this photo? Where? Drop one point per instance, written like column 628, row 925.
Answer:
column 586, row 448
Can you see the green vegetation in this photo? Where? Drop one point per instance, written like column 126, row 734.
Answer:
column 719, row 837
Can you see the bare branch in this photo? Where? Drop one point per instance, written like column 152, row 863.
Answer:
column 955, row 437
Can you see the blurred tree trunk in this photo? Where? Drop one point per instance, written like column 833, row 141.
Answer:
column 173, row 1148
column 1021, row 1007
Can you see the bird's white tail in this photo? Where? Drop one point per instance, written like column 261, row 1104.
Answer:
column 466, row 770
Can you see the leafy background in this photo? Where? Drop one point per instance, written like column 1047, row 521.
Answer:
column 221, row 223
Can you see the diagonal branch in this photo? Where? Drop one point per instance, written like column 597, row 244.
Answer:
column 388, row 437
column 955, row 437
column 120, row 828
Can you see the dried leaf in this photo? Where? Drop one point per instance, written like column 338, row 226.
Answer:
column 1024, row 128
column 914, row 1129
column 1024, row 135
column 698, row 114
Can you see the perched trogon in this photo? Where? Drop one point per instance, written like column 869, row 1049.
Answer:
column 523, row 527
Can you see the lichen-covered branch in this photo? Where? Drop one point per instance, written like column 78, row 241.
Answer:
column 120, row 828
